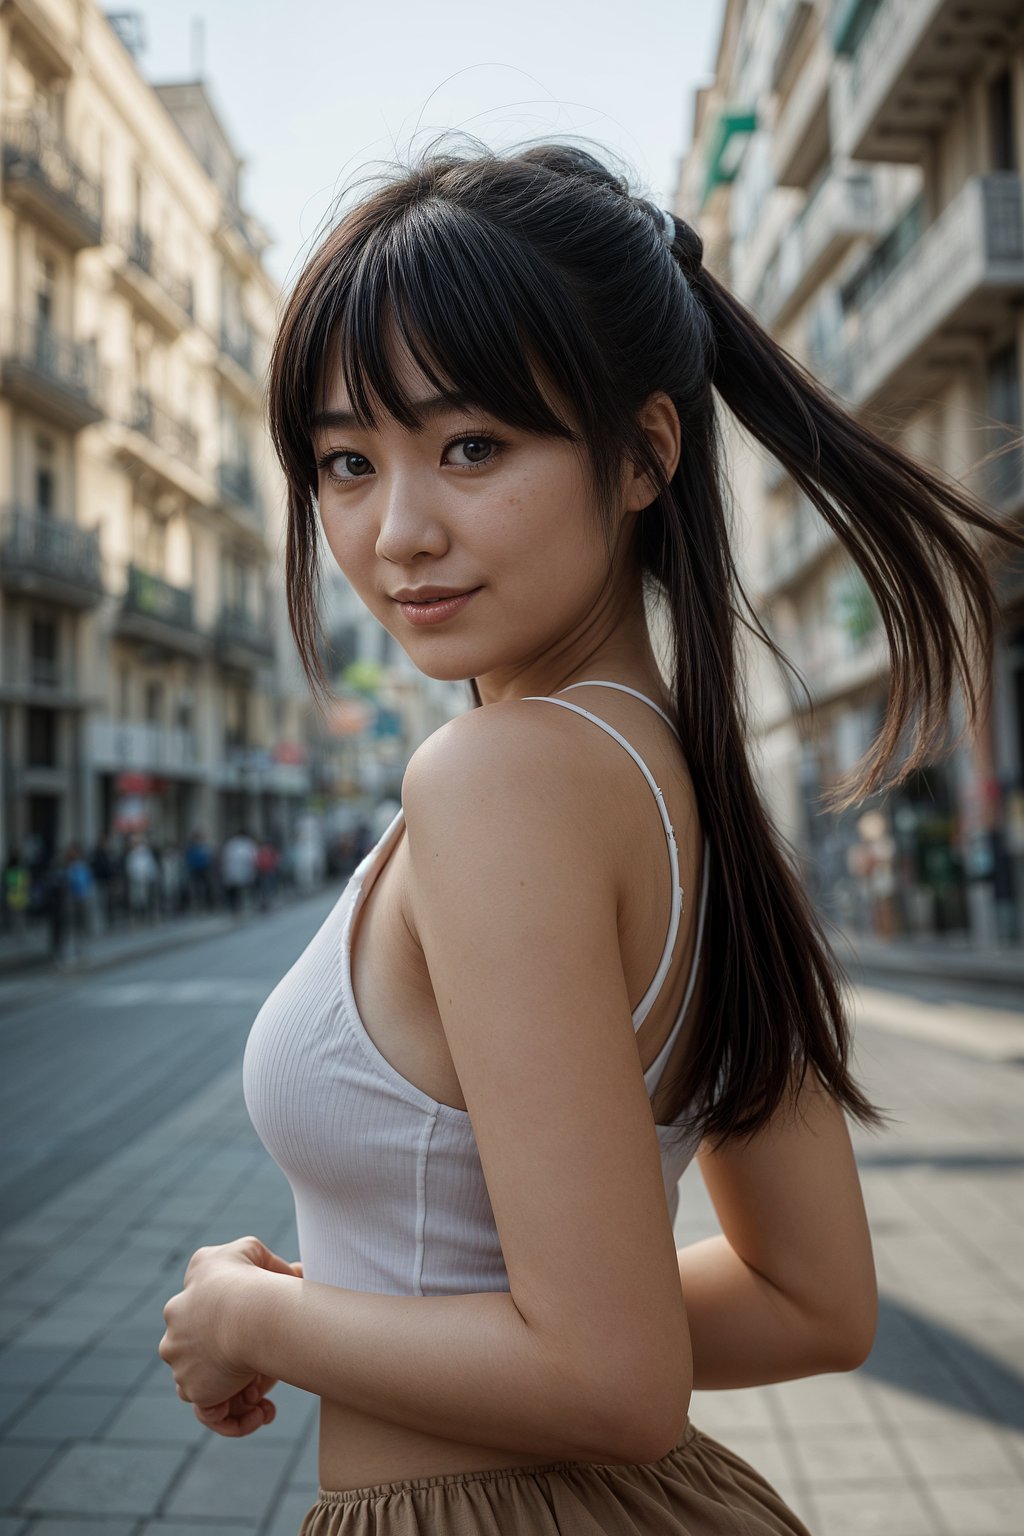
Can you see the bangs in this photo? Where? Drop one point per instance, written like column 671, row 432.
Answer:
column 473, row 309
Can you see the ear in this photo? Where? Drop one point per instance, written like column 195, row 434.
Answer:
column 658, row 419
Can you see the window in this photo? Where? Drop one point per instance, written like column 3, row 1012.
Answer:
column 43, row 652
column 1001, row 122
column 42, row 738
column 155, row 703
column 1006, row 472
column 184, row 709
column 46, row 285
column 45, row 476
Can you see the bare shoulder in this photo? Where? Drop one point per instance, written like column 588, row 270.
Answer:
column 511, row 759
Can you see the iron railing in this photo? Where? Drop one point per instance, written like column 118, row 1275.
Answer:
column 162, row 427
column 38, row 541
column 73, row 365
column 33, row 150
column 154, row 598
column 140, row 249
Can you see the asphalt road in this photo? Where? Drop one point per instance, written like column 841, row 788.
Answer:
column 93, row 1060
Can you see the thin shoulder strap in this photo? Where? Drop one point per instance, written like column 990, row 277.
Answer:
column 646, row 1003
column 599, row 682
column 652, row 1076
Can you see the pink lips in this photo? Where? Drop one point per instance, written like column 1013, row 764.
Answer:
column 438, row 611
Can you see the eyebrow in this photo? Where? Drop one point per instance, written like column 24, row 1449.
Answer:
column 431, row 406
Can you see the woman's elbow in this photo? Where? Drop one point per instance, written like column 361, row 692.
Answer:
column 850, row 1336
column 646, row 1420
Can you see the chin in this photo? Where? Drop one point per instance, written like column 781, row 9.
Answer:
column 456, row 673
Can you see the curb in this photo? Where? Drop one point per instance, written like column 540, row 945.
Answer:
column 165, row 937
column 992, row 967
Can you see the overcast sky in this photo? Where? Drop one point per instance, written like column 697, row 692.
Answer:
column 315, row 92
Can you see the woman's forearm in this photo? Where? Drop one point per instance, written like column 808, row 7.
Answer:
column 745, row 1332
column 464, row 1367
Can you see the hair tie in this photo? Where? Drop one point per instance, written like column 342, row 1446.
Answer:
column 669, row 226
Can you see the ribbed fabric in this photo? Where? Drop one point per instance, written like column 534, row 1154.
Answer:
column 389, row 1192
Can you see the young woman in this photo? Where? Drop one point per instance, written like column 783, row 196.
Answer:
column 579, row 955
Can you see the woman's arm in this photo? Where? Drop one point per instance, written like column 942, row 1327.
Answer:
column 515, row 904
column 789, row 1288
column 467, row 1368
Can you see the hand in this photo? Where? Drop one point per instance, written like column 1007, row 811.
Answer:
column 198, row 1343
column 247, row 1411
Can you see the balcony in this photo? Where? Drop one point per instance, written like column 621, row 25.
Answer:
column 154, row 610
column 841, row 210
column 959, row 282
column 237, row 363
column 242, row 641
column 797, row 549
column 42, row 180
column 50, row 374
column 908, row 60
column 47, row 557
column 162, row 296
column 801, row 139
column 114, row 746
column 167, row 431
column 238, row 487
column 152, row 441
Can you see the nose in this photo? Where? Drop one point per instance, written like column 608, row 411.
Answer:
column 410, row 523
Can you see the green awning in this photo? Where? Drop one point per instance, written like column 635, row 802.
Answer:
column 850, row 21
column 728, row 141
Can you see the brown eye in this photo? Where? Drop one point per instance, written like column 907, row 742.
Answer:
column 358, row 469
column 489, row 447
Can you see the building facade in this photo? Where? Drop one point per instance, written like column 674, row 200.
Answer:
column 142, row 685
column 858, row 167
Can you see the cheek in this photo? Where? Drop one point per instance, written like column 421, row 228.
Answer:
column 345, row 542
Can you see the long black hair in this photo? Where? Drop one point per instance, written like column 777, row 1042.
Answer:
column 501, row 270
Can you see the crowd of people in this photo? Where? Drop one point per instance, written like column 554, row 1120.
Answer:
column 128, row 882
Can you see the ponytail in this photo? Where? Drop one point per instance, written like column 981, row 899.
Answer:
column 903, row 525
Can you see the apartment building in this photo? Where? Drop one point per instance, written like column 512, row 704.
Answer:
column 859, row 166
column 143, row 683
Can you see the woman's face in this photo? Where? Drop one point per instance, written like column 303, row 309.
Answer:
column 472, row 506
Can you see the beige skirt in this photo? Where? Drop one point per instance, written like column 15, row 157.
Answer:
column 699, row 1489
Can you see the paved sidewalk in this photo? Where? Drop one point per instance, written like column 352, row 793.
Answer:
column 926, row 1440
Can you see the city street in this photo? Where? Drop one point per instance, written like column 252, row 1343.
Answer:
column 126, row 1145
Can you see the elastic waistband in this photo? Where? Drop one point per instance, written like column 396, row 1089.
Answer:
column 329, row 1497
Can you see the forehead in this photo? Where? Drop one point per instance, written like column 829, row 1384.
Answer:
column 401, row 367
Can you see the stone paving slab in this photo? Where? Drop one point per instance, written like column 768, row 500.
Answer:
column 86, row 1478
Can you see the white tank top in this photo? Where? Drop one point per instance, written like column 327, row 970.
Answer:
column 389, row 1191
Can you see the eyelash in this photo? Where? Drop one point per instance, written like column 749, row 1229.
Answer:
column 326, row 460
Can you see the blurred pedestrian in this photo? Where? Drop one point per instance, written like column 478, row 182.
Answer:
column 103, row 871
column 199, row 872
column 266, row 873
column 81, row 888
column 15, row 894
column 53, row 888
column 238, row 870
column 172, row 877
column 143, row 874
